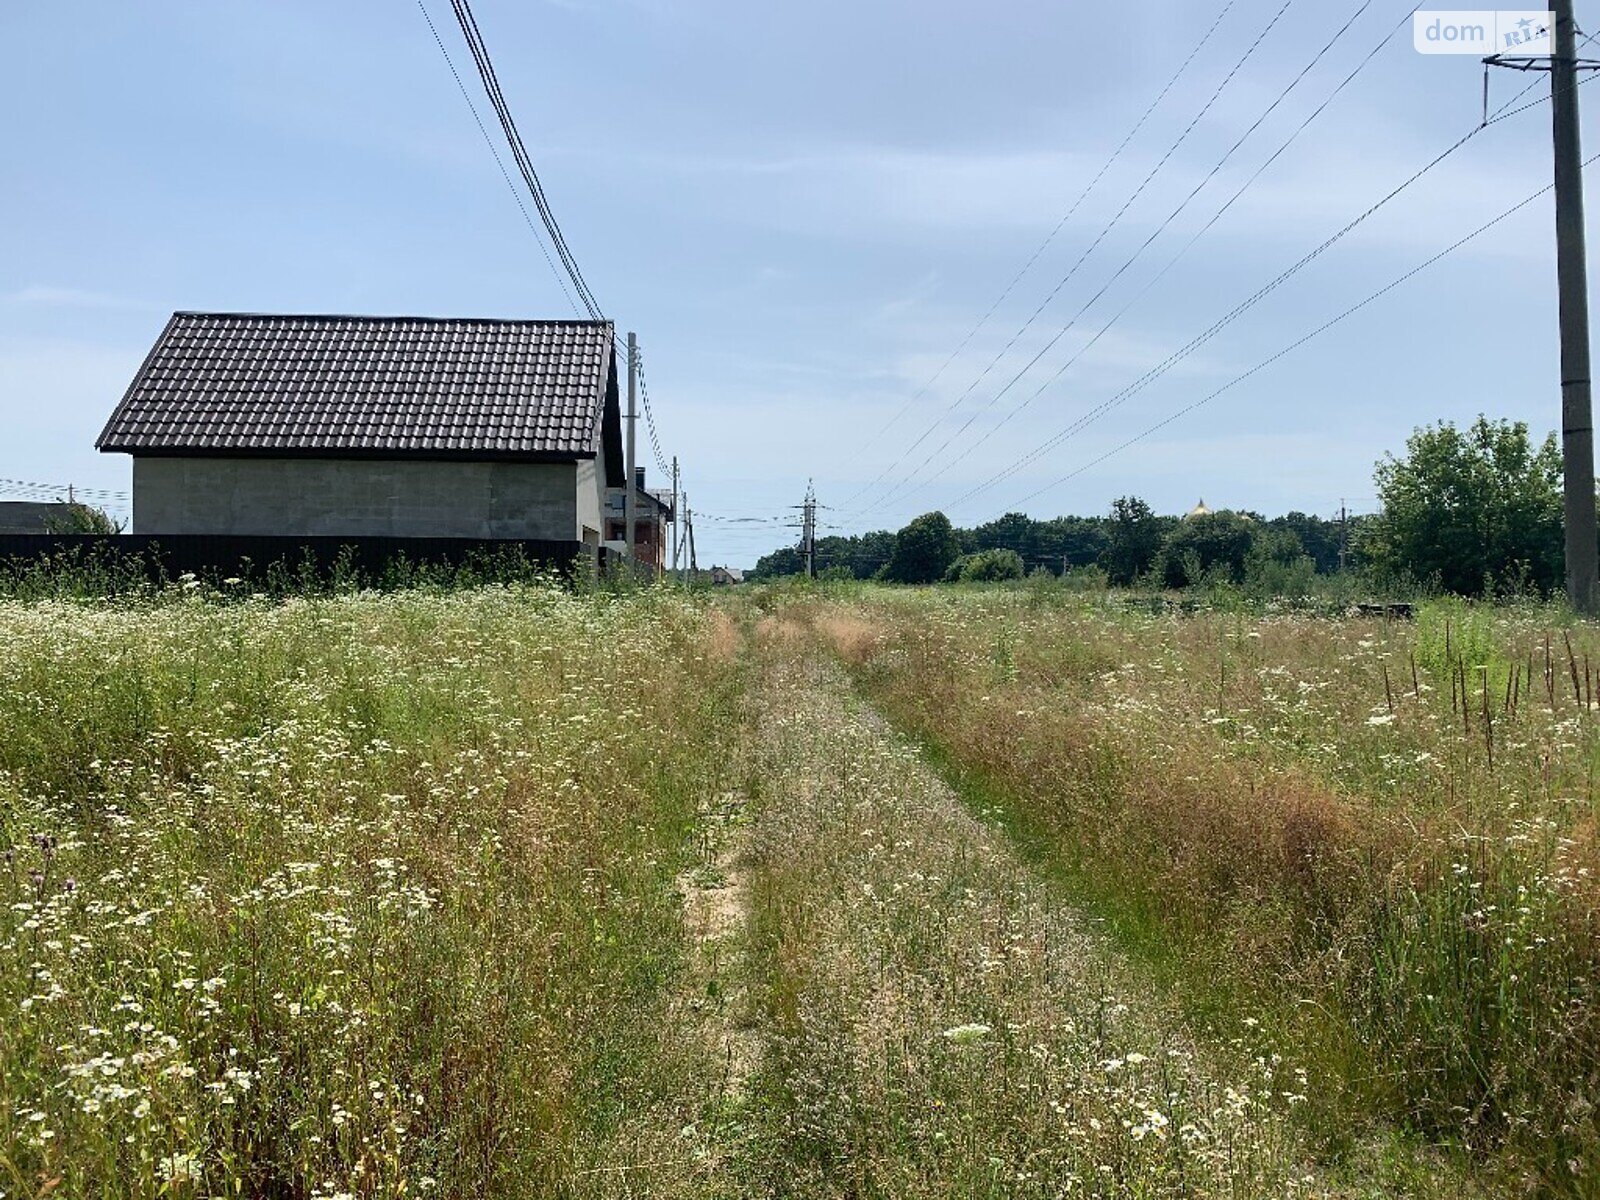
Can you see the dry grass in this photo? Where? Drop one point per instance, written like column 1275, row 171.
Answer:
column 942, row 1025
column 1282, row 803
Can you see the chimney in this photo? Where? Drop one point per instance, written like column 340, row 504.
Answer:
column 638, row 478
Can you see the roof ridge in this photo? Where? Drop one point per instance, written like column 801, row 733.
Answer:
column 377, row 317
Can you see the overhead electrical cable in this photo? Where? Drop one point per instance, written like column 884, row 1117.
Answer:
column 1084, row 256
column 519, row 152
column 473, row 35
column 1293, row 346
column 516, row 193
column 57, row 491
column 1134, row 257
column 1049, row 238
column 968, row 448
column 649, row 412
column 1239, row 310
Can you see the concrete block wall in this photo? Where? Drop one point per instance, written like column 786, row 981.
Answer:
column 371, row 497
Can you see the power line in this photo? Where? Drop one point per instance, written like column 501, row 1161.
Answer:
column 1289, row 349
column 519, row 152
column 1138, row 252
column 1082, row 258
column 50, row 491
column 1049, row 238
column 1239, row 310
column 969, row 448
column 498, row 161
column 480, row 54
column 649, row 413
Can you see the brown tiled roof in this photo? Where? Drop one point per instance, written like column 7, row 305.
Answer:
column 234, row 383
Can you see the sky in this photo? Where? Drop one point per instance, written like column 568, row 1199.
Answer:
column 810, row 213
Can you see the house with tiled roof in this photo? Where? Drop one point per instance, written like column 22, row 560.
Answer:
column 653, row 512
column 260, row 424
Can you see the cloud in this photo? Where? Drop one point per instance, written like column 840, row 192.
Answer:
column 45, row 296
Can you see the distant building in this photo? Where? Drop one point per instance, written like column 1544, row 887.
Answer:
column 652, row 513
column 379, row 426
column 726, row 576
column 40, row 516
column 1199, row 510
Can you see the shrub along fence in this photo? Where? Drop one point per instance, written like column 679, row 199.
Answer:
column 117, row 561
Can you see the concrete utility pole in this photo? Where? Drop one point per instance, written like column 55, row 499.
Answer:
column 1572, row 288
column 675, row 526
column 1577, row 419
column 808, row 537
column 683, row 541
column 630, row 502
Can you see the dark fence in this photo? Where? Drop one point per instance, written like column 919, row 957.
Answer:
column 309, row 560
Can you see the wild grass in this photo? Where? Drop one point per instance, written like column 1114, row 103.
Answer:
column 356, row 896
column 103, row 570
column 384, row 895
column 1381, row 835
column 939, row 1024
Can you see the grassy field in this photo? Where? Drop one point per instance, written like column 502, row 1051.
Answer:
column 511, row 892
column 1380, row 837
column 367, row 896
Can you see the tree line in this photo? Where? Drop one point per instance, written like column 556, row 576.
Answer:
column 1474, row 511
column 1127, row 545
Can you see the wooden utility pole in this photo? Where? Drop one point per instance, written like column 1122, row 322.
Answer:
column 630, row 502
column 1344, row 535
column 1577, row 419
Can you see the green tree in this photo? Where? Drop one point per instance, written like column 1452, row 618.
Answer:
column 70, row 517
column 986, row 566
column 1217, row 542
column 1319, row 538
column 923, row 550
column 1133, row 539
column 868, row 552
column 1080, row 541
column 785, row 561
column 1014, row 531
column 1471, row 509
column 1278, row 565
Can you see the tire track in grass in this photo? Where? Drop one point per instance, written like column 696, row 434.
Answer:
column 716, row 912
column 937, row 1023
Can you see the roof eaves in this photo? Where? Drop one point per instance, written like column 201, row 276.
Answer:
column 101, row 443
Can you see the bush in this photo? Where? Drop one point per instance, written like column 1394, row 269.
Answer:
column 986, row 566
column 1277, row 566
